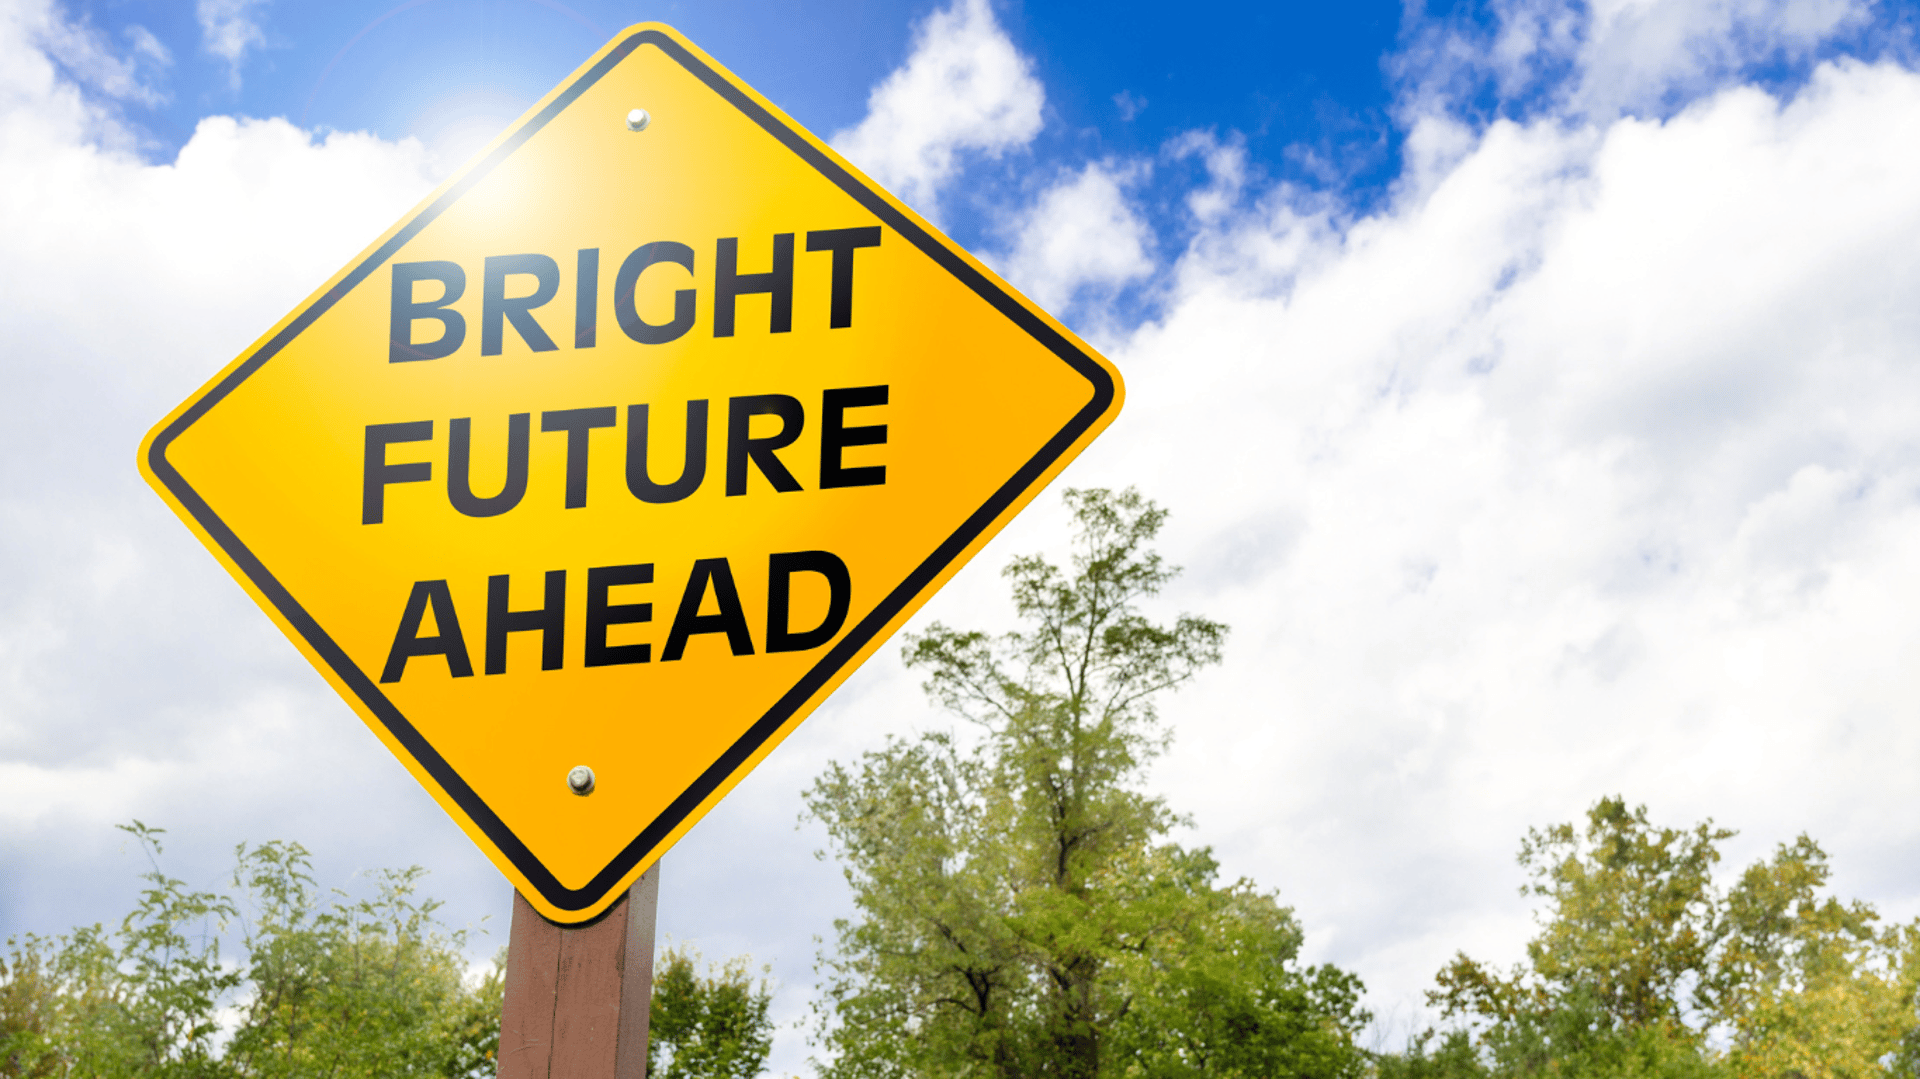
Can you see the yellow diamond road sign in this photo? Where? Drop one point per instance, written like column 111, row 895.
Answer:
column 620, row 452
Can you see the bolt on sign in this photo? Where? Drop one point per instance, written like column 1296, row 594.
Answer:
column 590, row 479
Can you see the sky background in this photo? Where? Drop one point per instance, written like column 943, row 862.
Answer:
column 1535, row 388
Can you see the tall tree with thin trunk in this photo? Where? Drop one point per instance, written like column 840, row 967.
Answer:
column 1021, row 911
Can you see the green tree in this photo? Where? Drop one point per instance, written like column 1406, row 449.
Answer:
column 346, row 986
column 1454, row 1057
column 326, row 986
column 1642, row 967
column 1020, row 909
column 1807, row 984
column 1630, row 920
column 707, row 1026
column 140, row 1000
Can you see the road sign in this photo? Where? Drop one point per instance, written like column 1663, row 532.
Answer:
column 593, row 476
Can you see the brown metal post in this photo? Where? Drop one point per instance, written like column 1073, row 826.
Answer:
column 578, row 997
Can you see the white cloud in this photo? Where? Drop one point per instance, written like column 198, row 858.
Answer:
column 1226, row 164
column 147, row 46
column 1642, row 54
column 1080, row 233
column 964, row 88
column 101, row 249
column 228, row 28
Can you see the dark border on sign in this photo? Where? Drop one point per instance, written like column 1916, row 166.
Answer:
column 837, row 657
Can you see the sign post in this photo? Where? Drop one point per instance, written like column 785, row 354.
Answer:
column 595, row 474
column 577, row 997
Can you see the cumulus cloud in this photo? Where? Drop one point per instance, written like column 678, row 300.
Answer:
column 228, row 28
column 1080, row 233
column 1586, row 466
column 965, row 88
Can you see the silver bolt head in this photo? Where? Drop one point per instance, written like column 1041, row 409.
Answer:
column 580, row 780
column 637, row 120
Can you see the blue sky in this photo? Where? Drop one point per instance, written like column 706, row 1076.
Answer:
column 1282, row 74
column 1532, row 384
column 1317, row 92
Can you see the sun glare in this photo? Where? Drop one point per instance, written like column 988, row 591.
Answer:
column 456, row 126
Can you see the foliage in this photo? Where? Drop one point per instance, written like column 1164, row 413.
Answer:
column 329, row 985
column 346, row 986
column 1810, row 985
column 1021, row 912
column 1642, row 967
column 1455, row 1057
column 707, row 1026
column 137, row 1001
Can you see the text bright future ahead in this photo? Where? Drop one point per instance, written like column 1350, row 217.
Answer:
column 623, row 450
